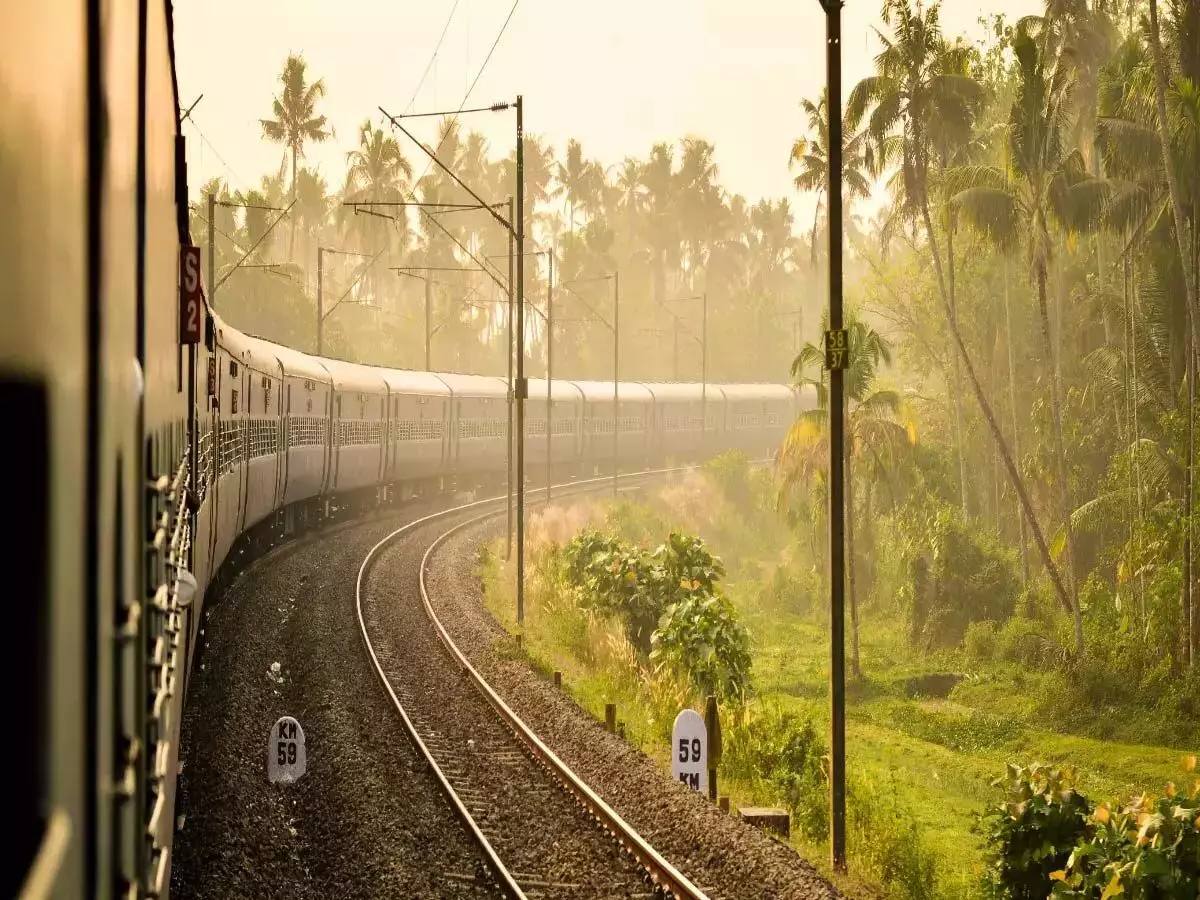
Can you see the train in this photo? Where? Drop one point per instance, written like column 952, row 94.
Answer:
column 153, row 448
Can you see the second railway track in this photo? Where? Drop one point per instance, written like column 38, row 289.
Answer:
column 545, row 833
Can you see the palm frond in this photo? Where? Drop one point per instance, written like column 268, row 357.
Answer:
column 996, row 214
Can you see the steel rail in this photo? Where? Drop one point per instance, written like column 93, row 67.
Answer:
column 660, row 872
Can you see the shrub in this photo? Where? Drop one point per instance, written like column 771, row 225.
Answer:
column 1150, row 848
column 702, row 639
column 963, row 577
column 732, row 474
column 1033, row 830
column 886, row 844
column 1027, row 641
column 1046, row 841
column 980, row 641
column 616, row 579
column 780, row 753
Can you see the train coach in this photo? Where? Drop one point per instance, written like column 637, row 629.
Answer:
column 145, row 469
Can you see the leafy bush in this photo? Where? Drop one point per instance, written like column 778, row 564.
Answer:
column 961, row 577
column 980, row 641
column 1149, row 848
column 780, row 753
column 1033, row 830
column 732, row 474
column 1045, row 840
column 702, row 639
column 616, row 579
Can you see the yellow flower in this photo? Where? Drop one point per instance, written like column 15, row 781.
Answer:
column 1101, row 814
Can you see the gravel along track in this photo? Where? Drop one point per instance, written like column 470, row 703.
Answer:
column 368, row 819
column 723, row 857
column 550, row 844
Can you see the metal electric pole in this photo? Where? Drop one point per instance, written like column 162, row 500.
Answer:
column 212, row 250
column 837, row 351
column 508, row 429
column 522, row 389
column 616, row 375
column 704, row 370
column 549, row 372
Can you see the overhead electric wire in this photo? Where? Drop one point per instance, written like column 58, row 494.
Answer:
column 429, row 65
column 413, row 189
column 208, row 144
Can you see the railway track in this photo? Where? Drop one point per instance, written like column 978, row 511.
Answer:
column 543, row 832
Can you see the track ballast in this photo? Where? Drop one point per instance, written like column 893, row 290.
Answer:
column 545, row 842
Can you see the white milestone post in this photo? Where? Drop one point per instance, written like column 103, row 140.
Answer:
column 286, row 758
column 689, row 750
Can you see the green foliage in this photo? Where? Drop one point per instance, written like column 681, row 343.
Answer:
column 1149, row 849
column 886, row 843
column 980, row 641
column 781, row 754
column 962, row 577
column 733, row 476
column 701, row 638
column 970, row 732
column 1046, row 840
column 1033, row 830
column 618, row 580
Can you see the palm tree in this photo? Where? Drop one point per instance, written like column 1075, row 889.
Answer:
column 918, row 82
column 575, row 179
column 1046, row 182
column 296, row 121
column 1176, row 194
column 811, row 155
column 876, row 437
column 377, row 170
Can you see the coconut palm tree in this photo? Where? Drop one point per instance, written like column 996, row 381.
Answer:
column 811, row 156
column 575, row 180
column 1046, row 182
column 296, row 121
column 918, row 81
column 377, row 170
column 876, row 435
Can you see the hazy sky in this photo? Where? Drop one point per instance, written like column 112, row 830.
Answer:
column 618, row 75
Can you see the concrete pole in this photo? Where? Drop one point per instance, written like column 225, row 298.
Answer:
column 522, row 387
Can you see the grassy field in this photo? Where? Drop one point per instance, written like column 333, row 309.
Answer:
column 934, row 756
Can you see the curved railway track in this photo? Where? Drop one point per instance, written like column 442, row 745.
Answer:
column 543, row 831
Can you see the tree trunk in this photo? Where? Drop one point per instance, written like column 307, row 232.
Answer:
column 1064, row 491
column 956, row 388
column 292, row 235
column 1189, row 649
column 816, row 221
column 855, row 667
column 1012, row 399
column 984, row 407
